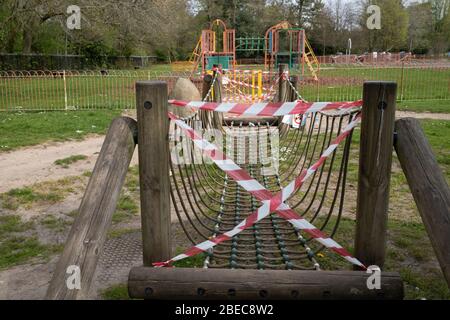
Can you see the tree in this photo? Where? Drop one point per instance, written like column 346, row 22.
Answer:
column 420, row 26
column 301, row 10
column 394, row 26
column 440, row 25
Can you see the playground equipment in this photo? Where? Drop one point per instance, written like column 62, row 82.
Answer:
column 287, row 45
column 282, row 44
column 243, row 225
column 207, row 54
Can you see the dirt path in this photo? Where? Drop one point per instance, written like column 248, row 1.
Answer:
column 36, row 164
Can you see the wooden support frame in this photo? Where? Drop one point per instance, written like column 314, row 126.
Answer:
column 88, row 233
column 283, row 86
column 428, row 186
column 222, row 284
column 153, row 137
column 376, row 147
column 182, row 283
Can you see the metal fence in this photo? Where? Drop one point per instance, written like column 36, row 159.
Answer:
column 344, row 83
column 81, row 90
column 74, row 90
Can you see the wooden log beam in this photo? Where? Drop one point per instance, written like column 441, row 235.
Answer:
column 375, row 161
column 428, row 186
column 220, row 284
column 88, row 234
column 153, row 137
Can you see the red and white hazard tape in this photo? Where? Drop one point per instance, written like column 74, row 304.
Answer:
column 244, row 84
column 236, row 95
column 271, row 203
column 268, row 109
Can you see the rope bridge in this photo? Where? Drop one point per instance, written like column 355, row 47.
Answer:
column 262, row 207
column 241, row 213
column 211, row 200
column 219, row 199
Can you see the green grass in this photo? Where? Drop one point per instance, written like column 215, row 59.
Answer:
column 438, row 134
column 15, row 198
column 191, row 262
column 409, row 252
column 434, row 106
column 66, row 162
column 27, row 129
column 414, row 84
column 428, row 285
column 126, row 209
column 53, row 223
column 13, row 224
column 41, row 193
column 117, row 292
column 16, row 248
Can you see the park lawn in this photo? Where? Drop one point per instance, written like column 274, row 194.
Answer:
column 438, row 134
column 346, row 84
column 434, row 106
column 27, row 129
column 91, row 90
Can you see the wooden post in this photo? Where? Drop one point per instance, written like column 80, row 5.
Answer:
column 217, row 117
column 428, row 186
column 284, row 95
column 293, row 94
column 204, row 115
column 217, row 87
column 88, row 234
column 207, row 82
column 208, row 118
column 375, row 160
column 283, row 86
column 222, row 284
column 153, row 136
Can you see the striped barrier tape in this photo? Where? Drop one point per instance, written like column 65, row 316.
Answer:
column 269, row 95
column 243, row 84
column 239, row 94
column 272, row 91
column 267, row 109
column 271, row 203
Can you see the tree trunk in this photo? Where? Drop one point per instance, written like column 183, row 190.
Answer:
column 27, row 40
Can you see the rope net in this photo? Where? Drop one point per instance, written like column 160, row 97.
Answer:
column 209, row 201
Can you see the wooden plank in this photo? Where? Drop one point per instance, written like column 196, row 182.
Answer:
column 220, row 284
column 375, row 161
column 428, row 186
column 88, row 234
column 153, row 137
